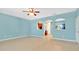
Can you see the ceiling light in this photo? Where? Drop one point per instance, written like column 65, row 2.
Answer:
column 31, row 11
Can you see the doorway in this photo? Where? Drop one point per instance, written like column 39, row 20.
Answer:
column 47, row 30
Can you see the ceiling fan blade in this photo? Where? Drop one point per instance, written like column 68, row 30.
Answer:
column 25, row 11
column 37, row 12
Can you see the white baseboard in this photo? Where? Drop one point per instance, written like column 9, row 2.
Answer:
column 38, row 37
column 65, row 39
column 14, row 38
column 57, row 38
column 19, row 37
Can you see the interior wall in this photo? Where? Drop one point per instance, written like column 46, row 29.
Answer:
column 68, row 33
column 11, row 26
column 34, row 30
column 70, row 24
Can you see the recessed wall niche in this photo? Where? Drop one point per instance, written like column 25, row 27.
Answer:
column 60, row 24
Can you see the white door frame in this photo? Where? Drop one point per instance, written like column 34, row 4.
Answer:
column 77, row 29
column 48, row 26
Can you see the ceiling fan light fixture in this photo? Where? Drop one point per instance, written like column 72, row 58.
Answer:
column 31, row 14
column 32, row 11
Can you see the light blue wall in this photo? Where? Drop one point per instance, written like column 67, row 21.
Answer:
column 77, row 12
column 68, row 33
column 34, row 30
column 11, row 26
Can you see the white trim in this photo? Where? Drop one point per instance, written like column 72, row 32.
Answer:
column 38, row 37
column 13, row 38
column 19, row 37
column 65, row 39
column 77, row 29
column 57, row 38
column 60, row 19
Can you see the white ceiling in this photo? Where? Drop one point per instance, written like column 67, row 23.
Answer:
column 43, row 12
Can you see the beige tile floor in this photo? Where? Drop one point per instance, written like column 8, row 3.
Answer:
column 37, row 44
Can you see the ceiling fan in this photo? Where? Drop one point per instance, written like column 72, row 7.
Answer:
column 31, row 11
